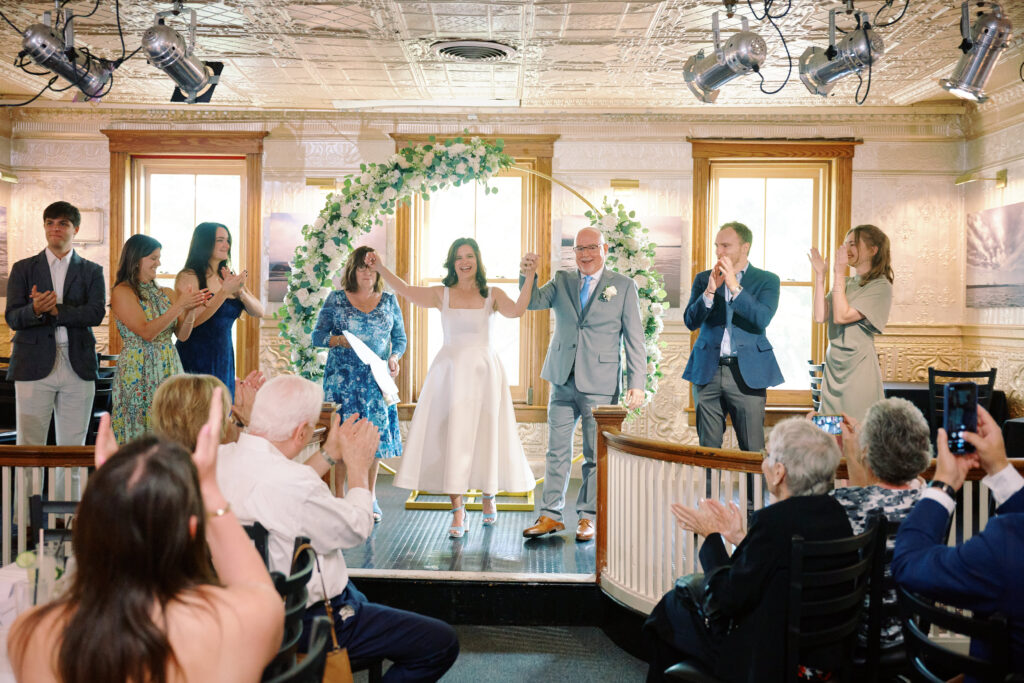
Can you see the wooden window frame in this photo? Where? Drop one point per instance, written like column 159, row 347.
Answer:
column 838, row 195
column 538, row 152
column 126, row 144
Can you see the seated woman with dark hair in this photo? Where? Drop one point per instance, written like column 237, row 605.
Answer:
column 750, row 587
column 145, row 603
column 884, row 458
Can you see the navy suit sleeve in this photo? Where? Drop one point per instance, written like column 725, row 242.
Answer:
column 967, row 575
column 740, row 588
column 19, row 314
column 696, row 310
column 1014, row 503
column 759, row 308
column 89, row 314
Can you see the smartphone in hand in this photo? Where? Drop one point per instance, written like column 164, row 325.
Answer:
column 959, row 415
column 830, row 424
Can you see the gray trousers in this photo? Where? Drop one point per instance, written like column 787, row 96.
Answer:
column 566, row 406
column 727, row 393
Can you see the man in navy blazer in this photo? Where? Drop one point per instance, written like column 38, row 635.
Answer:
column 985, row 573
column 54, row 299
column 732, row 364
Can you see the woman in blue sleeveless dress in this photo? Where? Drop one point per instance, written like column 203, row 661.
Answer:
column 209, row 350
column 373, row 316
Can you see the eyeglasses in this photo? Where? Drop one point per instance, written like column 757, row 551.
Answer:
column 588, row 248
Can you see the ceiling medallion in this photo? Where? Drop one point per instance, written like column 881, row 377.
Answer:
column 473, row 51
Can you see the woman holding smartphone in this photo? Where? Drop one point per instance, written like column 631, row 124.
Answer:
column 856, row 310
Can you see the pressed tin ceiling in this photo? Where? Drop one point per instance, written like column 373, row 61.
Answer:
column 571, row 56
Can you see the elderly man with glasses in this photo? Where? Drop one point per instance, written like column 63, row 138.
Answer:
column 597, row 312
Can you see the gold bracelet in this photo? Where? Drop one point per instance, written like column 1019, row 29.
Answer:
column 219, row 512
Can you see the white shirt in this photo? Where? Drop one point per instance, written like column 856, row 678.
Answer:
column 1003, row 484
column 596, row 277
column 709, row 301
column 290, row 500
column 59, row 273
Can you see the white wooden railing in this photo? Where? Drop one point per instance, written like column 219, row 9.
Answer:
column 640, row 549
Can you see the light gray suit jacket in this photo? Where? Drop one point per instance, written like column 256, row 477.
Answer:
column 589, row 341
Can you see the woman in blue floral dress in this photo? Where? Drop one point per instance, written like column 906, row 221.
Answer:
column 146, row 316
column 373, row 316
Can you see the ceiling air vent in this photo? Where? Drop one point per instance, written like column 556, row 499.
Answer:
column 473, row 51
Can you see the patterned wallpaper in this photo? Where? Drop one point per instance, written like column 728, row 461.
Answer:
column 902, row 182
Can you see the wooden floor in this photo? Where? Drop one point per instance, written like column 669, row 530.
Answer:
column 415, row 544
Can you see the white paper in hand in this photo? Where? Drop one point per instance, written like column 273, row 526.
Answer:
column 378, row 367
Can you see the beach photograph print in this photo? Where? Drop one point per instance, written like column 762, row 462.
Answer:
column 995, row 257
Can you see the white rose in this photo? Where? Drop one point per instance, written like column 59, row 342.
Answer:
column 303, row 297
column 428, row 158
column 366, row 179
column 651, row 367
column 460, row 168
column 414, row 183
column 609, row 221
column 403, row 162
column 457, row 148
column 640, row 280
column 319, row 223
column 330, row 248
column 659, row 325
column 643, row 262
column 657, row 309
column 390, row 193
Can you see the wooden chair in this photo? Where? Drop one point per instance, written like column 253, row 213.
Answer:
column 937, row 663
column 260, row 538
column 293, row 591
column 985, row 379
column 816, row 370
column 845, row 582
column 311, row 668
column 39, row 511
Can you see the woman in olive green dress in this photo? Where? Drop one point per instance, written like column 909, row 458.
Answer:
column 856, row 310
column 146, row 315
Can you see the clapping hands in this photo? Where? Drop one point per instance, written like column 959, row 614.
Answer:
column 245, row 394
column 43, row 302
column 232, row 283
column 818, row 264
column 711, row 517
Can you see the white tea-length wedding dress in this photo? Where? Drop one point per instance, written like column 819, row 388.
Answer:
column 463, row 434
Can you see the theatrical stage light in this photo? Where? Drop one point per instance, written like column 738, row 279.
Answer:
column 859, row 49
column 743, row 53
column 87, row 73
column 167, row 51
column 981, row 46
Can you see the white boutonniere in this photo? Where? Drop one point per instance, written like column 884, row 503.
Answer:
column 609, row 293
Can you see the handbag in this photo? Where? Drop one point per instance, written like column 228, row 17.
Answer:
column 693, row 592
column 338, row 669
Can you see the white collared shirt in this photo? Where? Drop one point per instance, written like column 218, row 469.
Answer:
column 1003, row 485
column 290, row 500
column 58, row 274
column 709, row 301
column 593, row 283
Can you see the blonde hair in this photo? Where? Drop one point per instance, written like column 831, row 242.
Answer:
column 181, row 406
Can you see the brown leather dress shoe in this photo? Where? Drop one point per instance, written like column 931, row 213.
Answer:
column 544, row 525
column 585, row 530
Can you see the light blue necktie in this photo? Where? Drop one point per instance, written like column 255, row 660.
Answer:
column 585, row 291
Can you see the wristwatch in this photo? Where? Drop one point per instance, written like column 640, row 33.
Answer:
column 944, row 487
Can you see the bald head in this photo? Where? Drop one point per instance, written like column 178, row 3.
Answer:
column 591, row 250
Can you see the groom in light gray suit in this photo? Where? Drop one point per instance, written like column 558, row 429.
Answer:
column 597, row 312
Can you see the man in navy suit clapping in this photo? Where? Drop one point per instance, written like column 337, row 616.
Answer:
column 732, row 364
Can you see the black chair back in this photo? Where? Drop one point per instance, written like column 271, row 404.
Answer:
column 39, row 511
column 938, row 663
column 8, row 412
column 873, row 661
column 294, row 593
column 816, row 371
column 260, row 538
column 310, row 669
column 827, row 584
column 985, row 379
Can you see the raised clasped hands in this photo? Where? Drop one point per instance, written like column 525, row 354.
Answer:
column 231, row 282
column 818, row 264
column 43, row 302
column 711, row 517
column 528, row 264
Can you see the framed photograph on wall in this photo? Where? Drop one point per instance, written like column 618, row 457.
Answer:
column 91, row 230
column 995, row 270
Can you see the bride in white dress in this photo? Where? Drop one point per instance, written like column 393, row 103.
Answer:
column 463, row 434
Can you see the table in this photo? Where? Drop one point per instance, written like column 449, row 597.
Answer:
column 11, row 576
column 917, row 393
